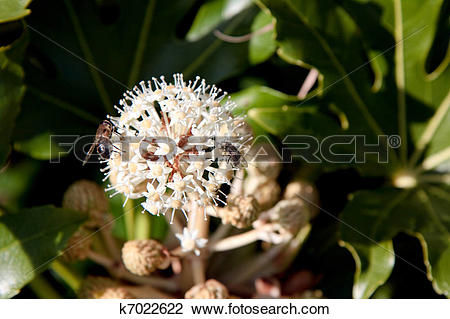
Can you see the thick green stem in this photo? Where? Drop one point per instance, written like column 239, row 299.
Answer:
column 431, row 129
column 129, row 218
column 43, row 289
column 142, row 226
column 400, row 79
column 65, row 273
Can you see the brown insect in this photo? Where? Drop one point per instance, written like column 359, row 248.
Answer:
column 233, row 155
column 102, row 141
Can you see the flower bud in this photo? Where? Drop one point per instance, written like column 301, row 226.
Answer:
column 102, row 288
column 211, row 289
column 78, row 246
column 143, row 256
column 87, row 196
column 267, row 287
column 283, row 221
column 268, row 194
column 305, row 191
column 240, row 212
column 264, row 160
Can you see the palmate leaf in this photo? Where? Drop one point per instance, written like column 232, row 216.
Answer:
column 389, row 94
column 30, row 240
column 383, row 213
column 320, row 34
column 91, row 52
column 413, row 28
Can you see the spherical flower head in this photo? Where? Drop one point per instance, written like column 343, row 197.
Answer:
column 175, row 129
column 283, row 221
column 143, row 256
column 266, row 191
column 299, row 189
column 88, row 197
column 190, row 241
column 211, row 289
column 102, row 288
column 78, row 246
column 240, row 212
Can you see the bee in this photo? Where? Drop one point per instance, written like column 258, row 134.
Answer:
column 102, row 141
column 234, row 156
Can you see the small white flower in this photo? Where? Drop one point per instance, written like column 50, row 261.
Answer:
column 198, row 166
column 180, row 184
column 190, row 241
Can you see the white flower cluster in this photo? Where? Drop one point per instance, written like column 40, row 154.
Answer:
column 173, row 125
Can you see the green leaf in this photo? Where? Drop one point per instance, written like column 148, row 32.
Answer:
column 338, row 38
column 260, row 97
column 269, row 111
column 374, row 264
column 15, row 182
column 320, row 34
column 380, row 215
column 262, row 46
column 11, row 92
column 212, row 13
column 413, row 26
column 40, row 147
column 29, row 240
column 118, row 211
column 11, row 10
column 331, row 36
column 285, row 120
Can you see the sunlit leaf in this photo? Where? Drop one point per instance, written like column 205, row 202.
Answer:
column 40, row 147
column 262, row 43
column 212, row 13
column 11, row 10
column 374, row 264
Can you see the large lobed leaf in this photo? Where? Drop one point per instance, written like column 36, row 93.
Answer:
column 321, row 34
column 30, row 240
column 381, row 214
column 372, row 57
column 409, row 28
